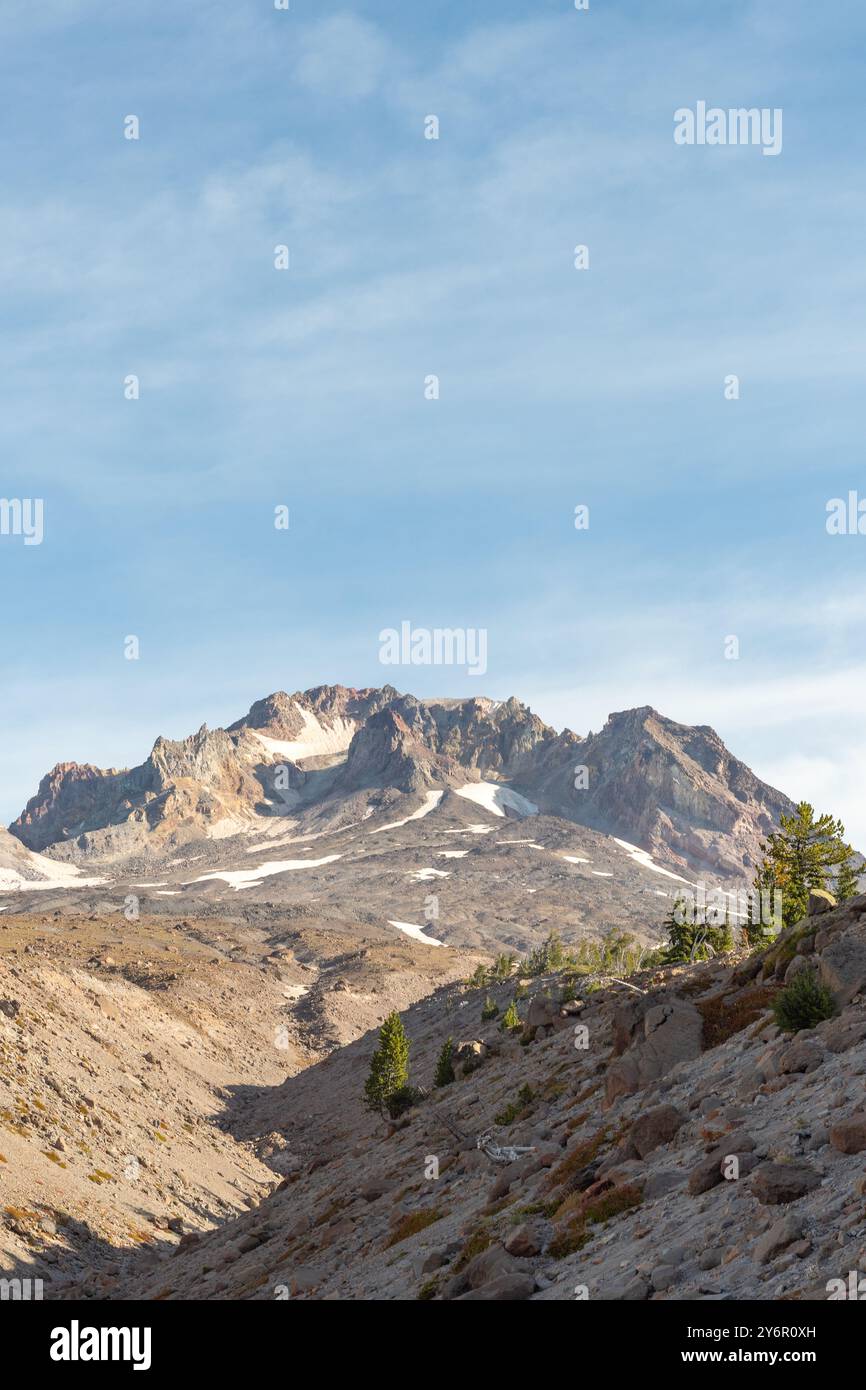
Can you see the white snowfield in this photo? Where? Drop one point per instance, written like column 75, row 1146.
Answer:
column 495, row 798
column 644, row 858
column 475, row 829
column 51, row 873
column 599, row 874
column 251, row 878
column 417, row 933
column 431, row 801
column 451, row 853
column 575, row 859
column 314, row 741
column 422, row 875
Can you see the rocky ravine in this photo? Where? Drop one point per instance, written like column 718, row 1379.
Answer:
column 687, row 1151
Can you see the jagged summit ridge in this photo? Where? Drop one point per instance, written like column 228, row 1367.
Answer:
column 673, row 789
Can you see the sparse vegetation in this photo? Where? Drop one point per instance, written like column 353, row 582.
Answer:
column 804, row 1003
column 480, row 1240
column 582, row 1214
column 411, row 1224
column 723, row 1018
column 516, row 1107
column 490, row 1010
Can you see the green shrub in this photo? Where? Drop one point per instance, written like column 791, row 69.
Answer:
column 511, row 1018
column 490, row 1010
column 514, row 1108
column 399, row 1101
column 804, row 1003
column 444, row 1074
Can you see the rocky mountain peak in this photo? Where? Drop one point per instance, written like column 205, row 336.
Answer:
column 669, row 788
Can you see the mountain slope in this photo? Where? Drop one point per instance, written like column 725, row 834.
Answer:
column 680, row 1147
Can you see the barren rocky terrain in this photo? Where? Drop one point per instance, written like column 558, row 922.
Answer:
column 196, row 957
column 677, row 1145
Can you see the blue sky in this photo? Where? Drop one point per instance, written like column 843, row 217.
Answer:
column 411, row 257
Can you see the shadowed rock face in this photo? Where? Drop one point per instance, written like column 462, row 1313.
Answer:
column 668, row 788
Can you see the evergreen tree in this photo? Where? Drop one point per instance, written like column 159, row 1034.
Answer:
column 690, row 938
column 680, row 927
column 389, row 1065
column 805, row 854
column 511, row 1018
column 550, row 955
column 490, row 1010
column 444, row 1074
column 760, row 925
column 847, row 882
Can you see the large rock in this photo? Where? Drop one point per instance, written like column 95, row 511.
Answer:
column 849, row 1136
column 491, row 1264
column 801, row 1055
column 842, row 963
column 655, row 1127
column 671, row 1033
column 710, row 1170
column 775, row 1184
column 542, row 1013
column 785, row 1231
column 528, row 1239
column 838, row 1034
column 819, row 901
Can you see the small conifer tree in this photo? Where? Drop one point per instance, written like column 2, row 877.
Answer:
column 511, row 1018
column 444, row 1074
column 389, row 1065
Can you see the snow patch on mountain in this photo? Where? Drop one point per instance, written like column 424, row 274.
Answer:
column 431, row 801
column 495, row 798
column 644, row 858
column 21, row 863
column 250, row 878
column 417, row 933
column 315, row 741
